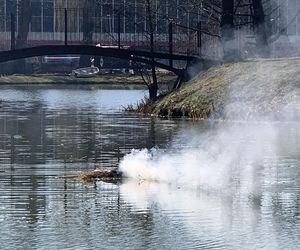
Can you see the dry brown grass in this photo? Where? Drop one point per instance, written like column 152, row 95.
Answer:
column 145, row 106
column 245, row 88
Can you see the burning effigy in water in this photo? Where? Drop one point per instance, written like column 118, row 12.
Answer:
column 105, row 174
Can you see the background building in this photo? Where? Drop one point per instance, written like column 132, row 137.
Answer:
column 100, row 21
column 104, row 19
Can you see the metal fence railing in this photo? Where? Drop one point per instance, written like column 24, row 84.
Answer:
column 79, row 27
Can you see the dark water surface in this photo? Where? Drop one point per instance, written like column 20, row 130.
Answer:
column 45, row 133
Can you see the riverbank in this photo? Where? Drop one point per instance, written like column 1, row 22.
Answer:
column 107, row 81
column 240, row 90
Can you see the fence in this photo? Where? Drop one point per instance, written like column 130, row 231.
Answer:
column 76, row 26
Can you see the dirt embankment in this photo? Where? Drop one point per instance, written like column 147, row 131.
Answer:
column 245, row 89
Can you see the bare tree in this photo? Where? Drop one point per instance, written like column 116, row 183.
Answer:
column 23, row 30
column 153, row 86
column 227, row 31
column 87, row 24
column 23, row 23
column 260, row 29
column 275, row 14
column 87, row 29
column 238, row 14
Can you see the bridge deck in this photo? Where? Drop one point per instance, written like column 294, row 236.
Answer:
column 127, row 54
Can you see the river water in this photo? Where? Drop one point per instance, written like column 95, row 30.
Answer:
column 213, row 185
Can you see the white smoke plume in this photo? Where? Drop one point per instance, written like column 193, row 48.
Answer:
column 214, row 160
column 227, row 154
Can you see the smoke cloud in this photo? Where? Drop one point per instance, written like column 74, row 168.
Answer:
column 227, row 154
column 213, row 160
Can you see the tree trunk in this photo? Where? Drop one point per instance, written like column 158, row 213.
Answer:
column 260, row 29
column 24, row 21
column 153, row 87
column 23, row 30
column 227, row 31
column 87, row 24
column 152, row 91
column 87, row 30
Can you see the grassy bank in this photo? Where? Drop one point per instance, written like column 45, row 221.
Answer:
column 113, row 80
column 245, row 89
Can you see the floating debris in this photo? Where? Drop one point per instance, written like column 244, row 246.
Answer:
column 106, row 174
